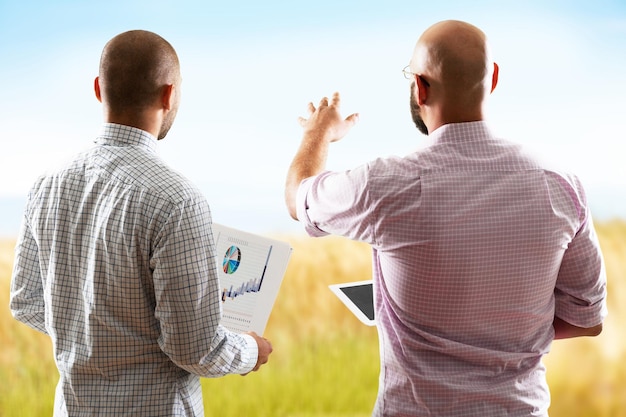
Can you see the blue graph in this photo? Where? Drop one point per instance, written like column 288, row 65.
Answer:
column 250, row 286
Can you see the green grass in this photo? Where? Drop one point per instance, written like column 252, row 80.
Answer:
column 325, row 362
column 28, row 374
column 317, row 378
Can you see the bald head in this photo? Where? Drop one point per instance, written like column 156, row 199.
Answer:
column 453, row 56
column 134, row 67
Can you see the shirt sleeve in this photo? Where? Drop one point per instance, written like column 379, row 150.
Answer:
column 337, row 203
column 188, row 306
column 27, row 292
column 580, row 292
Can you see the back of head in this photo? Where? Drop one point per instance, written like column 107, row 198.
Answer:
column 455, row 56
column 134, row 66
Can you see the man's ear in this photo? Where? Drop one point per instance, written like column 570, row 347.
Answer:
column 167, row 96
column 494, row 79
column 421, row 90
column 96, row 89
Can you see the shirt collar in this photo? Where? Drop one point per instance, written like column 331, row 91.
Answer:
column 113, row 134
column 461, row 132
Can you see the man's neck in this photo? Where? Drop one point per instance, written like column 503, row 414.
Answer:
column 145, row 121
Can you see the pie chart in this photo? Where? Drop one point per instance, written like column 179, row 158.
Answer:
column 231, row 261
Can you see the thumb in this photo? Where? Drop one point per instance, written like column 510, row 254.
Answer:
column 353, row 118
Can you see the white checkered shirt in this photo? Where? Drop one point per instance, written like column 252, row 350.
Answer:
column 476, row 249
column 115, row 261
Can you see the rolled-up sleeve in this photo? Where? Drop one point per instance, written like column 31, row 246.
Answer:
column 580, row 292
column 302, row 208
column 27, row 293
column 336, row 203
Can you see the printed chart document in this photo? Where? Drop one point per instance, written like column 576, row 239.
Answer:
column 250, row 268
column 359, row 298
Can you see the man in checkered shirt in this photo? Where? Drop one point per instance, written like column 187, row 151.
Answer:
column 116, row 259
column 481, row 256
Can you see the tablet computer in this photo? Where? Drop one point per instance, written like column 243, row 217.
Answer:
column 358, row 296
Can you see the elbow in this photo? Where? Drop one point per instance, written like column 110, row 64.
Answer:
column 565, row 330
column 595, row 330
column 291, row 208
column 290, row 201
column 292, row 213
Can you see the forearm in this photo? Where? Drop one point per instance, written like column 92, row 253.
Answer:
column 229, row 353
column 324, row 125
column 564, row 330
column 191, row 334
column 27, row 294
column 310, row 160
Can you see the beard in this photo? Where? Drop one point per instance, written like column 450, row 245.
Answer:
column 416, row 112
column 167, row 123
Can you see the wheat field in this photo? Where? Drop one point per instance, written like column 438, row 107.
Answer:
column 325, row 362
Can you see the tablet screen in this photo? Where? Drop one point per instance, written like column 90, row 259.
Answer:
column 358, row 297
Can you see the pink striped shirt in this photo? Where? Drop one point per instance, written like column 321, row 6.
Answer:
column 476, row 248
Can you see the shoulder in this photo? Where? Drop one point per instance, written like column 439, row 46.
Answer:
column 172, row 184
column 571, row 187
column 137, row 171
column 395, row 166
column 143, row 170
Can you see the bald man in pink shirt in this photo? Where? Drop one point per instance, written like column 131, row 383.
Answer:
column 481, row 256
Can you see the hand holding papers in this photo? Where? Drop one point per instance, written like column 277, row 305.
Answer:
column 250, row 268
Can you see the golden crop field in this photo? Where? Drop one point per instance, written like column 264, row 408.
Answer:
column 325, row 362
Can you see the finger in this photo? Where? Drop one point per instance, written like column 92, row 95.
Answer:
column 311, row 108
column 324, row 102
column 302, row 121
column 353, row 118
column 335, row 100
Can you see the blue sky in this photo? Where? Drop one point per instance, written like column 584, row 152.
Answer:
column 250, row 68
